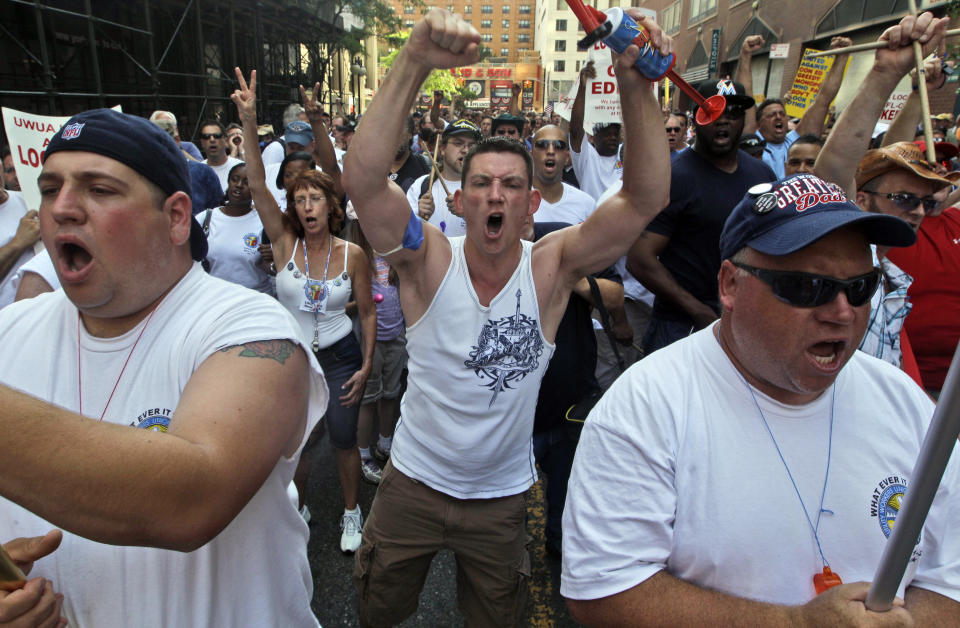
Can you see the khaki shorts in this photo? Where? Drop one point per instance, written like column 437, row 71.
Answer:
column 389, row 360
column 409, row 522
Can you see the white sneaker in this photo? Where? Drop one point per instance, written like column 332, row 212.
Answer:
column 352, row 525
column 305, row 513
column 371, row 471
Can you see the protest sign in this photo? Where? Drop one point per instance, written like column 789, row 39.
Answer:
column 602, row 104
column 807, row 82
column 28, row 135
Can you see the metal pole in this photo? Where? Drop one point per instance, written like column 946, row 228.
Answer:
column 45, row 57
column 766, row 81
column 263, row 98
column 201, row 51
column 94, row 57
column 935, row 452
column 151, row 56
column 234, row 62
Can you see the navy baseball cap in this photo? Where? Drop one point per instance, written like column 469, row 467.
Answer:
column 785, row 216
column 136, row 143
column 298, row 132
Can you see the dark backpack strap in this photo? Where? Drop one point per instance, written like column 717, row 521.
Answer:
column 425, row 185
column 605, row 320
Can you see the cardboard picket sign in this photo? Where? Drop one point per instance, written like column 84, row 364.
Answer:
column 602, row 104
column 807, row 82
column 28, row 135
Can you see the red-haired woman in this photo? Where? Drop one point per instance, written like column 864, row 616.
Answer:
column 317, row 274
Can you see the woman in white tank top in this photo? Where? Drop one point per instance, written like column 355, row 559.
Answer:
column 317, row 274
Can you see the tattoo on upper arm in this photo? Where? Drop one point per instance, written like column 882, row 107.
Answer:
column 277, row 350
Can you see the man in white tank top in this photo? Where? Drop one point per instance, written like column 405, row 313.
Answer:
column 482, row 311
column 146, row 386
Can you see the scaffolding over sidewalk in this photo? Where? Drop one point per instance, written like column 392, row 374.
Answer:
column 60, row 57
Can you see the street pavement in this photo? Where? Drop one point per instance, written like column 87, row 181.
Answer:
column 334, row 595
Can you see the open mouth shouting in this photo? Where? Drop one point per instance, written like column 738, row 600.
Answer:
column 74, row 260
column 826, row 355
column 494, row 225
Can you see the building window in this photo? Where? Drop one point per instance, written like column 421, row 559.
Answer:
column 523, row 38
column 671, row 16
column 560, row 45
column 559, row 65
column 505, row 23
column 578, row 66
column 505, row 9
column 486, row 37
column 487, row 8
column 468, row 8
column 523, row 23
column 505, row 38
column 562, row 5
column 486, row 23
column 450, row 8
column 701, row 10
column 408, row 9
column 561, row 25
column 504, row 52
column 524, row 8
column 408, row 23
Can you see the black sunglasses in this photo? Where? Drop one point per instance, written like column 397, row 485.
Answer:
column 211, row 136
column 734, row 112
column 906, row 201
column 673, row 129
column 545, row 144
column 810, row 290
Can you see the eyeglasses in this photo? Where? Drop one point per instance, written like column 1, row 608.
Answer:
column 673, row 129
column 809, row 290
column 211, row 136
column 545, row 144
column 906, row 201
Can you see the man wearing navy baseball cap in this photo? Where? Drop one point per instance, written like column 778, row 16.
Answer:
column 772, row 456
column 133, row 402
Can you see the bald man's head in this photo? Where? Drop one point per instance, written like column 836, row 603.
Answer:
column 550, row 154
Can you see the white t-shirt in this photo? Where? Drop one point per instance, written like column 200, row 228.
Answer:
column 708, row 499
column 466, row 419
column 223, row 170
column 449, row 223
column 573, row 207
column 262, row 550
column 11, row 212
column 595, row 173
column 40, row 264
column 273, row 153
column 233, row 250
